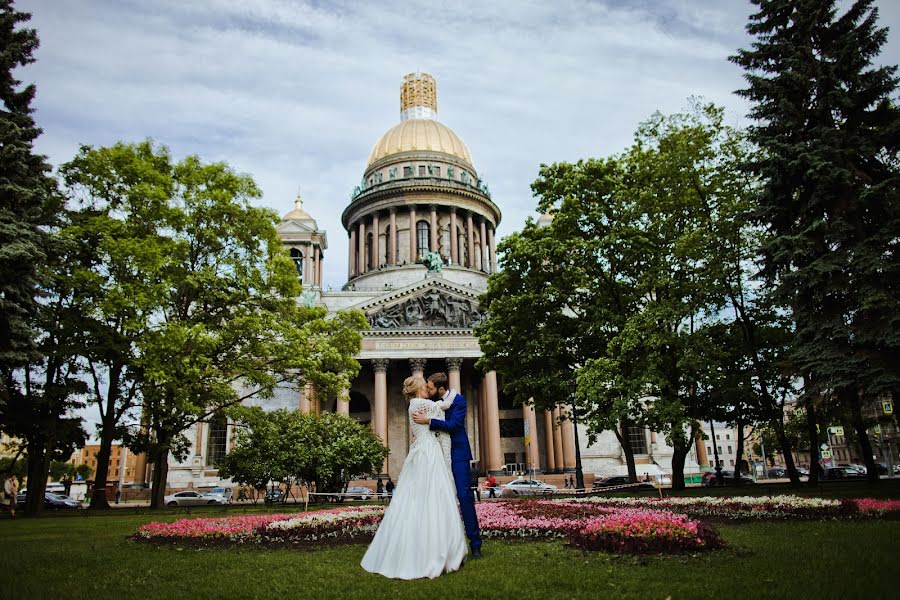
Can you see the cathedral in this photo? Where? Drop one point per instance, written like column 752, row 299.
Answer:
column 421, row 232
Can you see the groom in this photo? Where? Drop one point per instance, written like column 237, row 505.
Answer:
column 454, row 423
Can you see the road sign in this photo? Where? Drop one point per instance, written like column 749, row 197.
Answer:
column 888, row 407
column 826, row 453
column 824, row 446
column 839, row 431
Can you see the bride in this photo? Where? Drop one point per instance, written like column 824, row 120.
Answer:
column 421, row 534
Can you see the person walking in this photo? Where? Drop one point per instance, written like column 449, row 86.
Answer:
column 379, row 489
column 389, row 488
column 10, row 491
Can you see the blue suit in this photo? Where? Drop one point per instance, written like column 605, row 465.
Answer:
column 454, row 423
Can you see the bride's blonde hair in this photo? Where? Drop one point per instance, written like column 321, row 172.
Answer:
column 411, row 386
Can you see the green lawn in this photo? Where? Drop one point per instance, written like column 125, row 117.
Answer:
column 90, row 557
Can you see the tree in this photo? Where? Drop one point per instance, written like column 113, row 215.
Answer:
column 116, row 227
column 320, row 451
column 553, row 305
column 33, row 411
column 27, row 202
column 221, row 322
column 828, row 126
column 83, row 472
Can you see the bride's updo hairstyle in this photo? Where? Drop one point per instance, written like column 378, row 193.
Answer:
column 411, row 386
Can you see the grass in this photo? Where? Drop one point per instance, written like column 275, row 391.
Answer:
column 90, row 557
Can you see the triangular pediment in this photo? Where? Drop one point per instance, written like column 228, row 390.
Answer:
column 431, row 304
column 291, row 227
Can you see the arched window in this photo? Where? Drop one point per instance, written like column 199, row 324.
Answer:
column 217, row 440
column 370, row 258
column 297, row 257
column 423, row 236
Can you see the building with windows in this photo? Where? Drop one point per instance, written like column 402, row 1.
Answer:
column 88, row 456
column 421, row 238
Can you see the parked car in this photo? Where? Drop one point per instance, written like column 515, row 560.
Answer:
column 527, row 487
column 621, row 480
column 709, row 478
column 834, row 473
column 804, row 472
column 858, row 468
column 224, row 492
column 274, row 495
column 53, row 501
column 359, row 492
column 189, row 498
column 777, row 472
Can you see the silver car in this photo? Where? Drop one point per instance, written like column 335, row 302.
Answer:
column 359, row 492
column 527, row 487
column 193, row 499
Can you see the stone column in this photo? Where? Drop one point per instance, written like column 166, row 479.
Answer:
column 531, row 445
column 342, row 405
column 454, row 243
column 380, row 366
column 702, row 454
column 417, row 366
column 307, row 266
column 433, row 246
column 198, row 447
column 557, row 442
column 392, row 242
column 492, row 251
column 315, row 275
column 453, row 367
column 304, row 400
column 412, row 235
column 470, row 238
column 568, row 441
column 492, row 424
column 376, row 242
column 550, row 463
column 361, row 243
column 351, row 255
column 483, row 253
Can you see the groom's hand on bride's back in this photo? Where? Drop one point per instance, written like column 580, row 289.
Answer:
column 421, row 418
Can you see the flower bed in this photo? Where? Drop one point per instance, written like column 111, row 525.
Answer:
column 585, row 525
column 755, row 507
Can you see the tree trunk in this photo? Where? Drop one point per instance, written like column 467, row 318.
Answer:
column 38, row 471
column 680, row 450
column 739, row 451
column 160, row 476
column 850, row 398
column 786, row 451
column 625, row 442
column 98, row 496
column 813, row 433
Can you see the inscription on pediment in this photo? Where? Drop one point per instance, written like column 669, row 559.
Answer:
column 434, row 309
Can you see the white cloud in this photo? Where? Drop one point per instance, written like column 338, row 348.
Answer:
column 297, row 93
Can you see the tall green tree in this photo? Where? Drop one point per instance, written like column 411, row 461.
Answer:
column 27, row 201
column 828, row 126
column 220, row 322
column 117, row 225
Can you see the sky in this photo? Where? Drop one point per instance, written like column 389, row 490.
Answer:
column 296, row 93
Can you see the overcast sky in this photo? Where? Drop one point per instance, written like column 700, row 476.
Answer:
column 296, row 93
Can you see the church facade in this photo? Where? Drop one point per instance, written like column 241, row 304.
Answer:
column 421, row 229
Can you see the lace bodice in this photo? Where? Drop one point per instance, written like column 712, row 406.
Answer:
column 432, row 410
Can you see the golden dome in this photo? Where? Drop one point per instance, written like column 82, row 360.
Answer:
column 422, row 135
column 297, row 213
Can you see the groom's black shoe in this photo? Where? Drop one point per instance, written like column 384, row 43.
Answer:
column 476, row 553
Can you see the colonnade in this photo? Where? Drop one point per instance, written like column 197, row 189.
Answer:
column 310, row 260
column 363, row 259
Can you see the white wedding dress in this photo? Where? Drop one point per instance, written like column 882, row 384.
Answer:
column 422, row 533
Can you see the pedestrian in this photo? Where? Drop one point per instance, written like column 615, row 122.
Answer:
column 566, row 479
column 118, row 493
column 492, row 486
column 389, row 488
column 571, row 482
column 379, row 488
column 9, row 492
